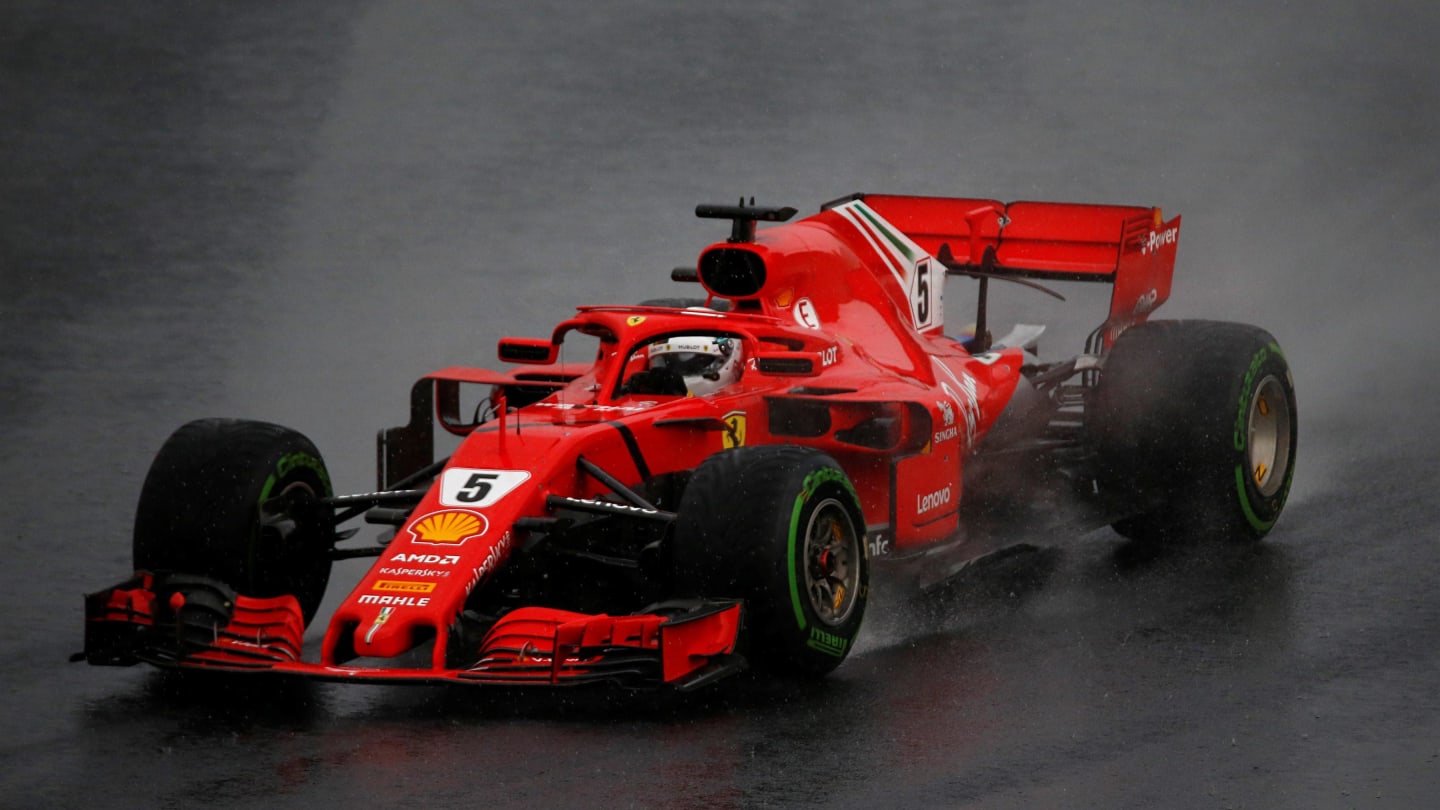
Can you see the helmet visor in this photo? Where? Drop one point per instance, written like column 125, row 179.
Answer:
column 686, row 364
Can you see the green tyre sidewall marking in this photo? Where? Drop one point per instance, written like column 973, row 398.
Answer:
column 1250, row 516
column 290, row 462
column 813, row 482
column 1242, row 442
column 286, row 464
column 828, row 643
column 793, row 565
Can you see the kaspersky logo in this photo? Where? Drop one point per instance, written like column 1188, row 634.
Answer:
column 451, row 527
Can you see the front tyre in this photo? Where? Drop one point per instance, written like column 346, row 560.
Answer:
column 200, row 510
column 1197, row 421
column 781, row 528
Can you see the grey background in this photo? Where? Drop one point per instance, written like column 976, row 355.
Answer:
column 289, row 211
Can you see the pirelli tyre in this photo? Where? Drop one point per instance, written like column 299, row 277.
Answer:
column 1196, row 422
column 781, row 528
column 238, row 501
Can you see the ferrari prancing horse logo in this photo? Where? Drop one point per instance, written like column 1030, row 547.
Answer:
column 734, row 435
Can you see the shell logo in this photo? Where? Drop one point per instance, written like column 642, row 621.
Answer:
column 450, row 527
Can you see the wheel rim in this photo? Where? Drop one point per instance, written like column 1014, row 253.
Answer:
column 282, row 523
column 1269, row 420
column 832, row 562
column 281, row 540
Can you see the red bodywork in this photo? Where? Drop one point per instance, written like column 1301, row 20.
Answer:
column 841, row 320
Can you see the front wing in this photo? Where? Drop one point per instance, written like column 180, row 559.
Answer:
column 188, row 622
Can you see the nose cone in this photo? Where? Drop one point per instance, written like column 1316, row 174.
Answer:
column 385, row 636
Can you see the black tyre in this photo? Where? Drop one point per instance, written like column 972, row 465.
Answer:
column 1196, row 420
column 781, row 528
column 200, row 510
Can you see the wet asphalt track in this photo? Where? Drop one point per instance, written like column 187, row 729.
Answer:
column 289, row 213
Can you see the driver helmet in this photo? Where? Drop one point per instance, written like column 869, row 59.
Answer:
column 707, row 363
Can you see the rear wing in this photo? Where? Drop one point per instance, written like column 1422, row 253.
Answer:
column 1131, row 247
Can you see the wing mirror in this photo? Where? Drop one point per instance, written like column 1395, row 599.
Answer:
column 535, row 351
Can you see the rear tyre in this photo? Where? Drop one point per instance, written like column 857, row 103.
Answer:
column 781, row 528
column 1196, row 421
column 200, row 510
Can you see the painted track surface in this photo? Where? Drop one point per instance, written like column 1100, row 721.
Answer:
column 289, row 214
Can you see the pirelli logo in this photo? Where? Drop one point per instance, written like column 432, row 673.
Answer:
column 402, row 586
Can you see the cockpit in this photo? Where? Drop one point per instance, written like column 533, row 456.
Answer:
column 684, row 365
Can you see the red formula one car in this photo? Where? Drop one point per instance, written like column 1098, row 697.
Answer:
column 713, row 485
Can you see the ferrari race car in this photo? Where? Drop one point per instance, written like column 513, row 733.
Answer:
column 711, row 484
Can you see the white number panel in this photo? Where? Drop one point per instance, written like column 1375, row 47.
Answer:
column 464, row 486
